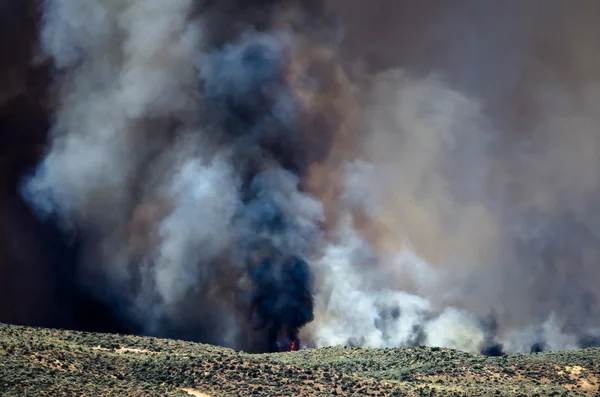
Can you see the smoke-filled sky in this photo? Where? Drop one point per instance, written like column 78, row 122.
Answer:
column 249, row 172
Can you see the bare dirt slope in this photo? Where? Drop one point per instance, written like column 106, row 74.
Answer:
column 41, row 362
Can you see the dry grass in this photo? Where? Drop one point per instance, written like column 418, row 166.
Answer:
column 40, row 362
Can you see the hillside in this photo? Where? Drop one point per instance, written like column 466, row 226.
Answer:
column 38, row 362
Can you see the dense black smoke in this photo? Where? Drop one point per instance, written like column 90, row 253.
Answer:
column 234, row 270
column 252, row 110
column 490, row 346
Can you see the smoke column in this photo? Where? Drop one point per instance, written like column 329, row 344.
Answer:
column 247, row 173
column 476, row 183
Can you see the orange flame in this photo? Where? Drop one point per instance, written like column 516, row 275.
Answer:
column 293, row 346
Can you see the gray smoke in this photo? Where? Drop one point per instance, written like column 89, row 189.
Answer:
column 235, row 169
column 165, row 158
column 480, row 165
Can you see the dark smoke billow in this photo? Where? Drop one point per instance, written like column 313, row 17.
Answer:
column 256, row 173
column 184, row 109
column 248, row 97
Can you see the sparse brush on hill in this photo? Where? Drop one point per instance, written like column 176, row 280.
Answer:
column 42, row 362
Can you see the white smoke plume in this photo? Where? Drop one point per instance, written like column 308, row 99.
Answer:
column 408, row 202
column 127, row 73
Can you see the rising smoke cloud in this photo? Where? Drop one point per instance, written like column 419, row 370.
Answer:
column 234, row 175
column 485, row 200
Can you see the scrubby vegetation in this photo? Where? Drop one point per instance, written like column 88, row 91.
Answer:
column 40, row 362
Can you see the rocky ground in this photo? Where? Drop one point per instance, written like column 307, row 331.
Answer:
column 42, row 362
